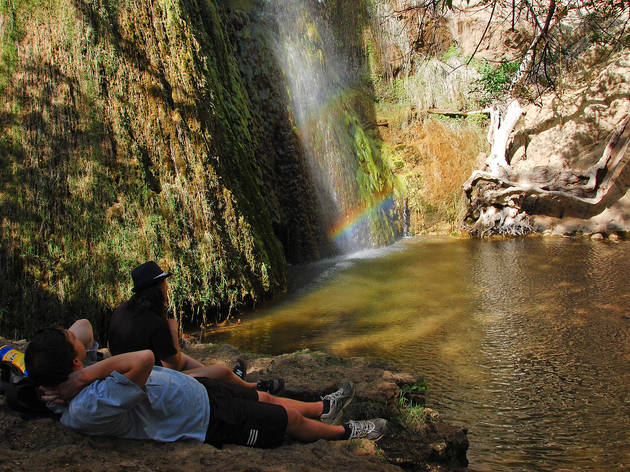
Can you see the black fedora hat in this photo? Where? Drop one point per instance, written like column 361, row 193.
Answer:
column 146, row 275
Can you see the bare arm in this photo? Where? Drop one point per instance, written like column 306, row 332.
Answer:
column 179, row 361
column 136, row 366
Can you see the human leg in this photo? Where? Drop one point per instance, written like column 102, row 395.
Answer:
column 224, row 374
column 220, row 372
column 237, row 417
column 242, row 416
column 307, row 429
column 307, row 409
column 328, row 410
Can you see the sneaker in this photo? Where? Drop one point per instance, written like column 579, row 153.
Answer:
column 338, row 401
column 240, row 368
column 270, row 386
column 369, row 429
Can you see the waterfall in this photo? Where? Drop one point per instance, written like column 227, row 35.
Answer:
column 355, row 189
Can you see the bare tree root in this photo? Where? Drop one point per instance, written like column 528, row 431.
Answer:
column 501, row 201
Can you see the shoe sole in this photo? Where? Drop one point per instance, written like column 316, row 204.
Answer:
column 244, row 370
column 378, row 437
column 337, row 419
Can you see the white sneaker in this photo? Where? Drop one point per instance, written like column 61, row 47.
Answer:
column 373, row 429
column 338, row 401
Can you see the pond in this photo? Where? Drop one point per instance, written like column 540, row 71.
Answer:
column 524, row 342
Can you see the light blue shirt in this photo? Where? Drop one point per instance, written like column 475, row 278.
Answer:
column 172, row 406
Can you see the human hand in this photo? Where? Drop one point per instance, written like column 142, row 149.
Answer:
column 64, row 391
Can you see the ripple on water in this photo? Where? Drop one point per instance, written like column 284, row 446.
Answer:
column 523, row 342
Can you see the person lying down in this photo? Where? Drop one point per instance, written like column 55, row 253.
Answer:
column 128, row 396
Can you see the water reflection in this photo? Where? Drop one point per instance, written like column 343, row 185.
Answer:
column 525, row 342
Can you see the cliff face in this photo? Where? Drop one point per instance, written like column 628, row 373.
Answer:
column 305, row 67
column 562, row 168
column 576, row 143
column 165, row 130
column 171, row 130
column 125, row 137
column 289, row 190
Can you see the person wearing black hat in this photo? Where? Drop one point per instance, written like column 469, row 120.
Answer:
column 143, row 322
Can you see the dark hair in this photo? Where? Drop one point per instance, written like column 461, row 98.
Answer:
column 49, row 357
column 151, row 299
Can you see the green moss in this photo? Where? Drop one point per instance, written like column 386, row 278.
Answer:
column 495, row 80
column 451, row 52
column 135, row 147
column 15, row 15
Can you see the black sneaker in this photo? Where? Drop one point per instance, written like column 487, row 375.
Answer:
column 240, row 369
column 369, row 429
column 270, row 386
column 338, row 401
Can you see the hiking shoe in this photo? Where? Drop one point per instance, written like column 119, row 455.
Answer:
column 338, row 401
column 270, row 386
column 369, row 429
column 240, row 368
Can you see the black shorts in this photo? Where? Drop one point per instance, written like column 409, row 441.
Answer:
column 237, row 417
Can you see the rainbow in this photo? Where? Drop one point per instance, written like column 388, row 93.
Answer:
column 345, row 226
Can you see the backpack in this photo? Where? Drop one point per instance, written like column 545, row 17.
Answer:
column 21, row 394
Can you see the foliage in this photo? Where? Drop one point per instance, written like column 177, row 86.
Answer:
column 495, row 80
column 389, row 90
column 452, row 51
column 411, row 405
column 443, row 85
column 419, row 387
column 106, row 161
column 437, row 155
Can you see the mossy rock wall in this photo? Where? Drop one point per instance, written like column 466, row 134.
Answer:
column 306, row 69
column 137, row 129
column 125, row 136
column 289, row 189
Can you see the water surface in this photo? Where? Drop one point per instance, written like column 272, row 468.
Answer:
column 524, row 342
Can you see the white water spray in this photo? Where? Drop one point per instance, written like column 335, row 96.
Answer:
column 345, row 165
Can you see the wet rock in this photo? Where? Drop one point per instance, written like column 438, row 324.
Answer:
column 433, row 443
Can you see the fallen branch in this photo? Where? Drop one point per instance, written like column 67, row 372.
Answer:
column 438, row 111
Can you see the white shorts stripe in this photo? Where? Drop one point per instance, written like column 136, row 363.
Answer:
column 253, row 437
